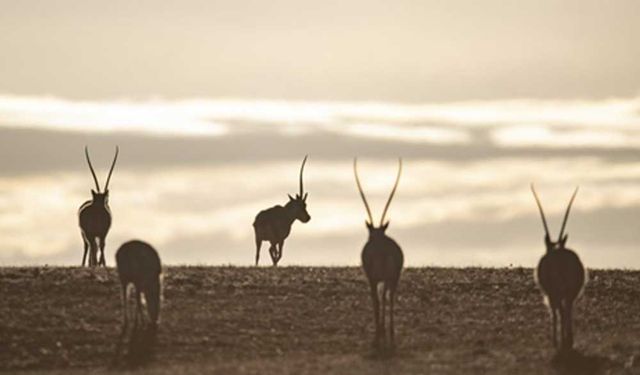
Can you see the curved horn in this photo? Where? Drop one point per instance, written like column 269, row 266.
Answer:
column 544, row 220
column 566, row 214
column 93, row 173
column 366, row 205
column 301, row 171
column 113, row 164
column 393, row 191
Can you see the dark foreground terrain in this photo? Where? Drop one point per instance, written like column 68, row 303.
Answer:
column 295, row 320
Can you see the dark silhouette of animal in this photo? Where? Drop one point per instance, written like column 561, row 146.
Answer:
column 95, row 217
column 274, row 224
column 382, row 261
column 139, row 265
column 561, row 277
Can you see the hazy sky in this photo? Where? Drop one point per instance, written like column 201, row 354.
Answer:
column 321, row 50
column 214, row 105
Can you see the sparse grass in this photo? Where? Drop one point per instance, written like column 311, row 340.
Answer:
column 297, row 320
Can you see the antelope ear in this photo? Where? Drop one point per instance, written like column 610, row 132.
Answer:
column 369, row 225
column 291, row 198
column 304, row 198
column 385, row 226
column 93, row 193
column 564, row 239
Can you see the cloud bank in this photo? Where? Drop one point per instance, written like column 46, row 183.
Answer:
column 508, row 123
column 193, row 174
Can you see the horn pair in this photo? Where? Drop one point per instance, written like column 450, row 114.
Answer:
column 93, row 173
column 566, row 214
column 364, row 199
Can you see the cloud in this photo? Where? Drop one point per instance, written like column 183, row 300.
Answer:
column 196, row 191
column 512, row 123
column 411, row 134
column 174, row 207
column 158, row 118
column 541, row 136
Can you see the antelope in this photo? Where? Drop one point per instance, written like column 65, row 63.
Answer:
column 274, row 224
column 95, row 217
column 138, row 264
column 382, row 261
column 561, row 277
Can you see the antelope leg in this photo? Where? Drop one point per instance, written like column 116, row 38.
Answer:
column 258, row 246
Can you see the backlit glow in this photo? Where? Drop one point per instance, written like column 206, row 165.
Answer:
column 513, row 123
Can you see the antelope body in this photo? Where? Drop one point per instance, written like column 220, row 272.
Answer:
column 382, row 261
column 274, row 224
column 139, row 265
column 561, row 277
column 95, row 217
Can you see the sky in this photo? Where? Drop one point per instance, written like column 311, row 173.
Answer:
column 214, row 104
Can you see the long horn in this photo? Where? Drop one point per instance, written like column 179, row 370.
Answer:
column 544, row 220
column 93, row 173
column 366, row 205
column 395, row 186
column 301, row 171
column 566, row 214
column 113, row 164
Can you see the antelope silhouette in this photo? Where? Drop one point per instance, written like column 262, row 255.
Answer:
column 382, row 261
column 561, row 277
column 95, row 217
column 138, row 264
column 274, row 224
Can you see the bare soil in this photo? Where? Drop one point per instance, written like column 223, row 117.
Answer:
column 299, row 320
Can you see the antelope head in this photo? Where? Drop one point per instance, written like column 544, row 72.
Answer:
column 298, row 204
column 98, row 196
column 376, row 232
column 562, row 238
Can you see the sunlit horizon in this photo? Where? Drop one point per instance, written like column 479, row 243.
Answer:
column 202, row 214
column 214, row 104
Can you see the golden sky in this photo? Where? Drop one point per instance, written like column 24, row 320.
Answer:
column 214, row 104
column 418, row 51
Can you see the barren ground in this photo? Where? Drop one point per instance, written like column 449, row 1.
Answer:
column 297, row 320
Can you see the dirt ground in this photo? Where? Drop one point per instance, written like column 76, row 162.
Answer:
column 298, row 320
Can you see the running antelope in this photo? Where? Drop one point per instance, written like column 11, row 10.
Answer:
column 138, row 264
column 561, row 277
column 95, row 217
column 382, row 261
column 274, row 224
